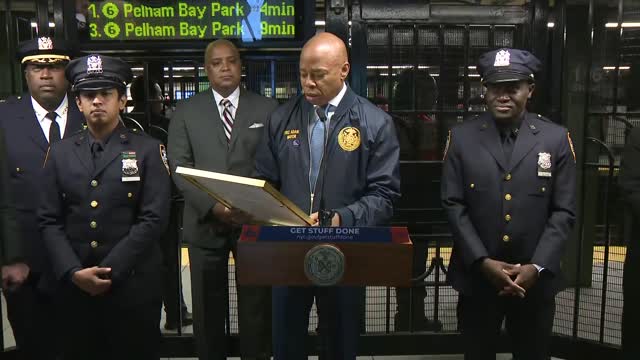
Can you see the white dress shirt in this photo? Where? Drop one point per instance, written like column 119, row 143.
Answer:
column 45, row 123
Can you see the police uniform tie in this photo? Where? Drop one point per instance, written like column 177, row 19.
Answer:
column 96, row 151
column 317, row 147
column 227, row 118
column 508, row 141
column 54, row 129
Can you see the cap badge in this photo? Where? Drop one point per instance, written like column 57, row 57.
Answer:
column 94, row 64
column 45, row 43
column 502, row 58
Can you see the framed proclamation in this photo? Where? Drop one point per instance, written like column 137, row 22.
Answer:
column 256, row 197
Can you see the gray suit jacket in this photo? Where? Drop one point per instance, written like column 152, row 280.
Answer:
column 197, row 140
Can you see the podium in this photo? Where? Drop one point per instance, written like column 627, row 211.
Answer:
column 324, row 256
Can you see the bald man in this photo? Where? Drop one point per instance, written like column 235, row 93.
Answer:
column 219, row 130
column 361, row 184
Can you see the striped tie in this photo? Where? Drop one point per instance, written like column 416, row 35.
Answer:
column 227, row 118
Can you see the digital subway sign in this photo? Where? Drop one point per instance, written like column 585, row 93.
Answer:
column 248, row 20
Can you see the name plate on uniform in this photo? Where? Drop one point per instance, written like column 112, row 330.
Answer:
column 251, row 233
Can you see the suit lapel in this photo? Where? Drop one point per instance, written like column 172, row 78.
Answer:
column 525, row 141
column 113, row 149
column 240, row 122
column 31, row 125
column 83, row 152
column 490, row 139
column 215, row 122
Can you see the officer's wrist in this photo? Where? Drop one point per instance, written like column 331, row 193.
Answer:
column 538, row 268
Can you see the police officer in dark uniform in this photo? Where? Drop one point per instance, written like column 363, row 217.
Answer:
column 629, row 182
column 508, row 187
column 43, row 115
column 103, row 211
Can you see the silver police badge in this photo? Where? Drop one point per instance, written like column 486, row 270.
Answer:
column 324, row 265
column 45, row 43
column 503, row 58
column 130, row 170
column 544, row 164
column 94, row 64
column 129, row 167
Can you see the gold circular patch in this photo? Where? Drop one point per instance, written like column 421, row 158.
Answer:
column 349, row 138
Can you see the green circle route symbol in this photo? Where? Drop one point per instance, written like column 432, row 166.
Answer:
column 112, row 30
column 110, row 10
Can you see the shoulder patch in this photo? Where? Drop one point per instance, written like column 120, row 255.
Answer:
column 573, row 151
column 446, row 146
column 163, row 156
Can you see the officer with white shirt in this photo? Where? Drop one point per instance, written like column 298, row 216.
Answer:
column 42, row 116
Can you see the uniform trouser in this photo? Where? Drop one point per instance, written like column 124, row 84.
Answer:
column 173, row 298
column 31, row 315
column 529, row 323
column 100, row 330
column 631, row 310
column 339, row 308
column 209, row 287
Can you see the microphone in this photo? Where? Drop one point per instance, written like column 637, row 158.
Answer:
column 324, row 215
column 321, row 115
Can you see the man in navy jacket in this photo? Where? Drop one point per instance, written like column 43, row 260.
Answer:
column 362, row 183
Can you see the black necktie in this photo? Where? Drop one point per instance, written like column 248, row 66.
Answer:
column 508, row 141
column 54, row 130
column 96, row 150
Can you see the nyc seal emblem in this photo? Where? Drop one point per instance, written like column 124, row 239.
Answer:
column 324, row 265
column 349, row 138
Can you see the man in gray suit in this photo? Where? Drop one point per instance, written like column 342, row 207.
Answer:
column 218, row 130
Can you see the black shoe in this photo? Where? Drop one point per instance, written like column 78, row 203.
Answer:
column 187, row 319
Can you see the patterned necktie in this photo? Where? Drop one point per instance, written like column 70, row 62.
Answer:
column 317, row 148
column 227, row 118
column 54, row 129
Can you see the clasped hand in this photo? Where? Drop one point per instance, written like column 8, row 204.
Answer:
column 509, row 279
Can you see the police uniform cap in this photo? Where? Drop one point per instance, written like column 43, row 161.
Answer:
column 44, row 50
column 98, row 72
column 507, row 64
